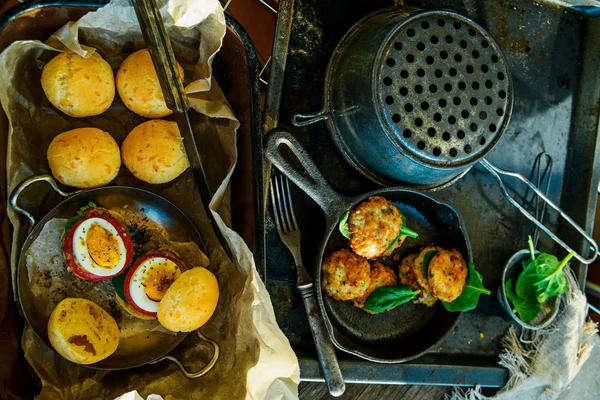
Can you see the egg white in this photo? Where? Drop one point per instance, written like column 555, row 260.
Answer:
column 82, row 255
column 138, row 279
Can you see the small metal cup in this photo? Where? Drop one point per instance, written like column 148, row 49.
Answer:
column 549, row 309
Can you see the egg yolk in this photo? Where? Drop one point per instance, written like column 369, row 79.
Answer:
column 159, row 278
column 103, row 247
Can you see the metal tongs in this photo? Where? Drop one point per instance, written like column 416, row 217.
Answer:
column 161, row 52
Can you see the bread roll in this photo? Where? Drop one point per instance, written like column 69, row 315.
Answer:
column 154, row 152
column 78, row 86
column 82, row 332
column 139, row 87
column 84, row 158
column 190, row 301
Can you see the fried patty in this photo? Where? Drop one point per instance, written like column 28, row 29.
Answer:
column 447, row 275
column 407, row 277
column 380, row 276
column 346, row 276
column 418, row 267
column 405, row 271
column 374, row 225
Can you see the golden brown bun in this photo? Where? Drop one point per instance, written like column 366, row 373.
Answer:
column 190, row 301
column 82, row 332
column 139, row 87
column 78, row 86
column 84, row 158
column 154, row 152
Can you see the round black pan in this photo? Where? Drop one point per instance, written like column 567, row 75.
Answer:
column 410, row 330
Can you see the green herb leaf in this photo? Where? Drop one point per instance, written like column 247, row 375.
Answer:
column 119, row 285
column 555, row 283
column 388, row 297
column 406, row 231
column 470, row 295
column 543, row 278
column 343, row 226
column 525, row 311
column 72, row 222
column 426, row 261
column 82, row 209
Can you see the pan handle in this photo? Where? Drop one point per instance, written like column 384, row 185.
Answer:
column 14, row 197
column 205, row 369
column 301, row 120
column 496, row 172
column 314, row 184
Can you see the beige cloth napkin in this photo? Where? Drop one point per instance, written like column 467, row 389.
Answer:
column 546, row 368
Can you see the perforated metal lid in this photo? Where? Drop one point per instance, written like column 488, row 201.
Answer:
column 444, row 88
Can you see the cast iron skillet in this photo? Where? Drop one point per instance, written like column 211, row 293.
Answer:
column 410, row 330
column 151, row 347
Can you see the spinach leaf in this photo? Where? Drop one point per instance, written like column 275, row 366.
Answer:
column 426, row 261
column 543, row 278
column 118, row 283
column 525, row 311
column 78, row 217
column 405, row 230
column 343, row 226
column 388, row 297
column 555, row 283
column 72, row 222
column 470, row 295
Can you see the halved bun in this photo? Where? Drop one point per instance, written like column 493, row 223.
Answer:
column 190, row 301
column 82, row 332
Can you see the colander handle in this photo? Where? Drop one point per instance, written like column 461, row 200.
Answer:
column 204, row 370
column 496, row 172
column 301, row 120
column 314, row 184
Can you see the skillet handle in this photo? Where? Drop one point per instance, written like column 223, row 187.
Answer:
column 325, row 350
column 496, row 172
column 14, row 197
column 205, row 369
column 314, row 184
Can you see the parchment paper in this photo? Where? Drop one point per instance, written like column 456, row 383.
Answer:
column 257, row 361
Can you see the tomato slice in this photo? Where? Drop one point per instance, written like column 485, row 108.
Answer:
column 138, row 263
column 74, row 266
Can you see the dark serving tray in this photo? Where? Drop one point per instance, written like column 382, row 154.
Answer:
column 236, row 69
column 554, row 57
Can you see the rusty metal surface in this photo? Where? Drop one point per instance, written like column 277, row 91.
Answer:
column 553, row 53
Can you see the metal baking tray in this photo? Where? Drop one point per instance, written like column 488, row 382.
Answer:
column 236, row 69
column 554, row 57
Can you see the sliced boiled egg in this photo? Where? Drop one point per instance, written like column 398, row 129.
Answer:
column 98, row 248
column 148, row 280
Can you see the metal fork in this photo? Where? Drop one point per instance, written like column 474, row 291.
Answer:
column 289, row 232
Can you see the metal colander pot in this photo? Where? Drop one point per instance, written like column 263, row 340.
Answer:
column 417, row 97
column 428, row 92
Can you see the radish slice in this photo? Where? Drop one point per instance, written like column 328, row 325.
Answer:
column 148, row 280
column 97, row 248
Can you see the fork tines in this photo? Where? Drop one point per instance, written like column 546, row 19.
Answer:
column 283, row 208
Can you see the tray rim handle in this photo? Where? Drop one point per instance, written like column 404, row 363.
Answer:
column 205, row 369
column 496, row 172
column 16, row 193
